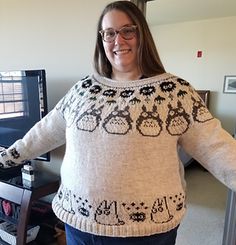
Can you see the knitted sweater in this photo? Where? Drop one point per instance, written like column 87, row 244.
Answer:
column 121, row 174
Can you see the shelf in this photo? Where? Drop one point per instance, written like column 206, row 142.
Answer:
column 8, row 173
column 3, row 243
column 14, row 191
column 8, row 219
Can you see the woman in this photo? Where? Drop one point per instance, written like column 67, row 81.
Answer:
column 145, row 58
column 121, row 178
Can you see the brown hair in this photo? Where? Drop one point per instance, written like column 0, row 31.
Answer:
column 148, row 58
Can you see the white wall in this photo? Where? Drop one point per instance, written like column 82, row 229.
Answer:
column 56, row 35
column 178, row 45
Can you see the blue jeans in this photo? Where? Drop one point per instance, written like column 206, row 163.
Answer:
column 76, row 237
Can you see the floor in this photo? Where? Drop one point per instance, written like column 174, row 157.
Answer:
column 206, row 202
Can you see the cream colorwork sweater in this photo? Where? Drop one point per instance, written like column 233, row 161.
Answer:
column 121, row 174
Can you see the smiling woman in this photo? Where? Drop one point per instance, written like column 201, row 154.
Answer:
column 121, row 178
column 121, row 44
column 127, row 32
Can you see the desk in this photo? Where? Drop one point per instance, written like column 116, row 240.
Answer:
column 14, row 191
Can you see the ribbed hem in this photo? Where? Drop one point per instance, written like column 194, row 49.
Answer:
column 134, row 230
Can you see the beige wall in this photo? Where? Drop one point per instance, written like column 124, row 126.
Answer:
column 178, row 45
column 57, row 35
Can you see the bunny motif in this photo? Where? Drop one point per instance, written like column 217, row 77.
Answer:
column 160, row 212
column 106, row 214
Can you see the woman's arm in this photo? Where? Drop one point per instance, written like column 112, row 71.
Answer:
column 214, row 148
column 47, row 134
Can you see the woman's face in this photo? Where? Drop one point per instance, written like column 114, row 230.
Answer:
column 121, row 53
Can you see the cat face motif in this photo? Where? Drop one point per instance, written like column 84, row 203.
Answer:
column 177, row 121
column 87, row 83
column 83, row 206
column 126, row 93
column 90, row 119
column 95, row 89
column 137, row 211
column 109, row 93
column 167, row 86
column 200, row 112
column 160, row 212
column 106, row 214
column 178, row 201
column 147, row 90
column 118, row 122
column 149, row 122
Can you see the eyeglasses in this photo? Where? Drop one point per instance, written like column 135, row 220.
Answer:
column 126, row 32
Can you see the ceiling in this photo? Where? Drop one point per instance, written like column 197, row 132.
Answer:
column 160, row 12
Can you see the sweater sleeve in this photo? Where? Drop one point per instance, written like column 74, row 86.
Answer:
column 214, row 148
column 44, row 136
column 47, row 134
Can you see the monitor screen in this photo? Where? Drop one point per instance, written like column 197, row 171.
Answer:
column 23, row 102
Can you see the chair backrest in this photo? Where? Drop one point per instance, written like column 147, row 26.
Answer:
column 205, row 95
